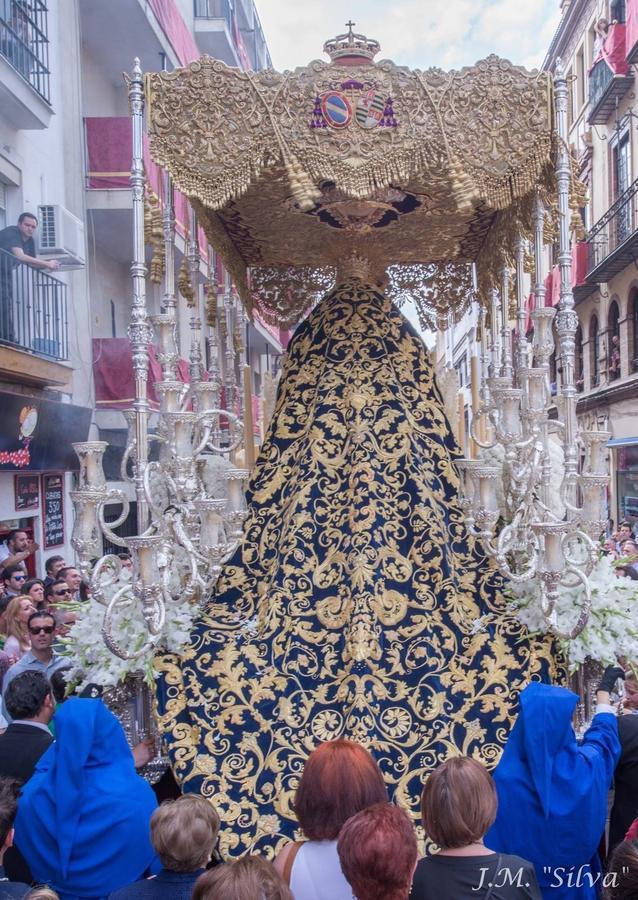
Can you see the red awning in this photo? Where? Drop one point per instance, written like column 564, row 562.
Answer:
column 174, row 27
column 580, row 262
column 631, row 35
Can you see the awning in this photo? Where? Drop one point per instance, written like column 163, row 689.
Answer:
column 114, row 377
column 623, row 442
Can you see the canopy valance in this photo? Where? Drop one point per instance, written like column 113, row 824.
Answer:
column 292, row 172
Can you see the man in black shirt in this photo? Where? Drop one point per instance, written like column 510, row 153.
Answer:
column 17, row 245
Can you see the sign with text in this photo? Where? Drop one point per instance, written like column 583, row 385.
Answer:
column 53, row 510
column 27, row 492
column 37, row 434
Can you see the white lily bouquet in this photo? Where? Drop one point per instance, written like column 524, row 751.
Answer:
column 92, row 661
column 612, row 628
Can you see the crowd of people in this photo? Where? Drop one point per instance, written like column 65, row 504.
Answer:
column 77, row 821
column 76, row 818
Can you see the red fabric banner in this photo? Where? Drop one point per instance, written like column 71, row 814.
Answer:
column 109, row 150
column 580, row 262
column 614, row 50
column 114, row 377
column 631, row 31
column 174, row 27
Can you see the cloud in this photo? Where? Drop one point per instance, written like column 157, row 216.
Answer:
column 416, row 33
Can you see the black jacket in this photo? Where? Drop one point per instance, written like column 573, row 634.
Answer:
column 21, row 746
column 625, row 808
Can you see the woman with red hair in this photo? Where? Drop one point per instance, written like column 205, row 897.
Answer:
column 339, row 779
column 378, row 852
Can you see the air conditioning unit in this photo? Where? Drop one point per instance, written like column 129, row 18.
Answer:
column 61, row 236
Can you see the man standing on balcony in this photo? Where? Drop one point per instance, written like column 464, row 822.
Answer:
column 17, row 245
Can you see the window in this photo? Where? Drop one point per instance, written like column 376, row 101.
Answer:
column 594, row 359
column 578, row 361
column 461, row 368
column 613, row 342
column 632, row 323
column 580, row 79
column 3, row 205
column 24, row 42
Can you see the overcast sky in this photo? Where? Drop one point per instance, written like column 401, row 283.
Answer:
column 416, row 33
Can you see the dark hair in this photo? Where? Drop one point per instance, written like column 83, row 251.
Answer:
column 378, row 851
column 48, row 588
column 51, row 561
column 28, row 584
column 11, row 570
column 459, row 803
column 14, row 532
column 59, row 685
column 26, row 693
column 26, row 215
column 9, row 793
column 123, row 556
column 248, row 878
column 63, row 572
column 339, row 779
column 40, row 614
column 624, row 866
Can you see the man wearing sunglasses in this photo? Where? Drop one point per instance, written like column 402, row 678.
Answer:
column 41, row 657
column 56, row 592
column 13, row 577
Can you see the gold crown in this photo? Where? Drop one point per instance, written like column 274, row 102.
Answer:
column 351, row 45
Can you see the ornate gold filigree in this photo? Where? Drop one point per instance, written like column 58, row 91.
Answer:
column 273, row 191
column 442, row 294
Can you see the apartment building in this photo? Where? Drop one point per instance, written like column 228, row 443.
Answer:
column 598, row 44
column 65, row 154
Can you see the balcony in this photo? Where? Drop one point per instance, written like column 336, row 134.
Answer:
column 613, row 241
column 631, row 15
column 609, row 77
column 217, row 32
column 33, row 324
column 24, row 63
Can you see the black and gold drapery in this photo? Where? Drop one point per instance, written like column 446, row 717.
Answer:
column 355, row 605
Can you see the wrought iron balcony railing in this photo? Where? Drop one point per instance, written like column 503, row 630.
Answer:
column 615, row 232
column 33, row 309
column 24, row 42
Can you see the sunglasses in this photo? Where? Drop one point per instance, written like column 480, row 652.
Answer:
column 19, row 577
column 47, row 629
column 61, row 593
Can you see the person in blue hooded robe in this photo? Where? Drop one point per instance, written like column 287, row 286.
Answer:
column 552, row 790
column 83, row 817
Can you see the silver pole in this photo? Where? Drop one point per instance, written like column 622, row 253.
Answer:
column 521, row 345
column 506, row 338
column 538, row 222
column 566, row 318
column 139, row 330
column 169, row 302
column 196, row 367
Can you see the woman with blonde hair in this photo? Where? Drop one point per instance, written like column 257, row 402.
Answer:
column 18, row 641
column 249, row 878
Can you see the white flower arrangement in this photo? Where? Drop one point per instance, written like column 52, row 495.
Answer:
column 93, row 662
column 612, row 628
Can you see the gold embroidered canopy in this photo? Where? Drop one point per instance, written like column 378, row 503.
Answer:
column 420, row 172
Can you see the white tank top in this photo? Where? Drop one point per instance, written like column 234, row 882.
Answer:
column 316, row 873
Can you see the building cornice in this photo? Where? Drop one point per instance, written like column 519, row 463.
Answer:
column 570, row 27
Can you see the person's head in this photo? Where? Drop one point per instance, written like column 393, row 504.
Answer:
column 17, row 541
column 14, row 577
column 34, row 589
column 624, row 532
column 42, row 892
column 72, row 577
column 53, row 565
column 458, row 804
column 184, row 832
column 9, row 793
column 28, row 696
column 623, row 885
column 378, row 853
column 609, row 545
column 125, row 559
column 630, row 689
column 41, row 631
column 57, row 591
column 18, row 613
column 59, row 685
column 248, row 878
column 339, row 779
column 27, row 223
column 629, row 548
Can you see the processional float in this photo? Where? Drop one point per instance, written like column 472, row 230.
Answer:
column 429, row 187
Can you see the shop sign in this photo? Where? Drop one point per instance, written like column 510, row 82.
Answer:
column 53, row 509
column 37, row 434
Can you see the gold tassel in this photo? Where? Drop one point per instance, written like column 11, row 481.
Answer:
column 184, row 284
column 303, row 190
